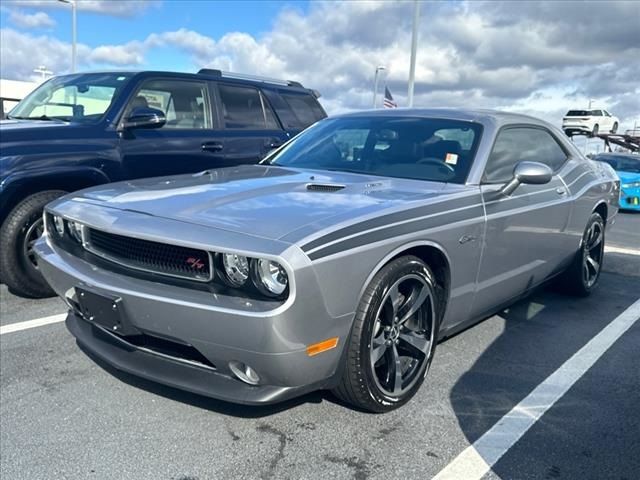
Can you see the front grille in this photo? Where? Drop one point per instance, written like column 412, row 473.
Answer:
column 149, row 256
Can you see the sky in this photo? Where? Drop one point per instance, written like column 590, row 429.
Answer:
column 540, row 58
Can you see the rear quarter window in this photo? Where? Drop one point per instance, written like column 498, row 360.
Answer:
column 305, row 107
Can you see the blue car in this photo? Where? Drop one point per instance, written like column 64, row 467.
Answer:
column 627, row 166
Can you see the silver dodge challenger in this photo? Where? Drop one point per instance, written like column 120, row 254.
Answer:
column 337, row 263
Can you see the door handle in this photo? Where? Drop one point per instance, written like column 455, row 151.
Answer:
column 212, row 146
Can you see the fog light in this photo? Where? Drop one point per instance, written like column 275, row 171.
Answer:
column 244, row 372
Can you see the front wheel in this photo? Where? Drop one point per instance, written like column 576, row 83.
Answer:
column 596, row 129
column 582, row 276
column 614, row 129
column 393, row 338
column 19, row 232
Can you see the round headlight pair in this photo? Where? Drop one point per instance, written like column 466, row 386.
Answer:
column 74, row 228
column 268, row 276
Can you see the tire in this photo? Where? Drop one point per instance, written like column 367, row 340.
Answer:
column 20, row 273
column 596, row 129
column 614, row 129
column 582, row 277
column 380, row 341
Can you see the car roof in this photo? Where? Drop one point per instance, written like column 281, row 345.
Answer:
column 244, row 80
column 496, row 117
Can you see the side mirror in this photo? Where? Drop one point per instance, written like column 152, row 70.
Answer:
column 144, row 117
column 531, row 173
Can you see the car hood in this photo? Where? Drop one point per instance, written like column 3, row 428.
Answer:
column 14, row 131
column 260, row 200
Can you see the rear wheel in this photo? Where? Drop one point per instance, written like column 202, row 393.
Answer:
column 596, row 129
column 614, row 129
column 582, row 276
column 393, row 338
column 18, row 234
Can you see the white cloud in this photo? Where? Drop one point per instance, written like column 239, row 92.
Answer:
column 116, row 8
column 131, row 54
column 28, row 20
column 535, row 57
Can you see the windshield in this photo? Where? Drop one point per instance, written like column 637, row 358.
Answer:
column 405, row 147
column 621, row 163
column 77, row 98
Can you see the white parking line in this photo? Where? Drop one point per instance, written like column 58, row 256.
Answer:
column 38, row 322
column 626, row 251
column 477, row 459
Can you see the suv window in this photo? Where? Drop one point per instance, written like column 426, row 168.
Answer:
column 184, row 103
column 515, row 145
column 596, row 113
column 245, row 108
column 305, row 108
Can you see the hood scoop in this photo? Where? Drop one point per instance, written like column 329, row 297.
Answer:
column 324, row 187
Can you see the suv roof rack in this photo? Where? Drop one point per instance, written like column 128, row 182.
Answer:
column 214, row 72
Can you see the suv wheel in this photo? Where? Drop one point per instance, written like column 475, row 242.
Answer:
column 614, row 129
column 22, row 227
column 393, row 338
column 595, row 130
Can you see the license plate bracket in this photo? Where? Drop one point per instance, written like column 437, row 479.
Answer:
column 103, row 310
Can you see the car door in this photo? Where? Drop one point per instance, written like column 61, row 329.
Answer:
column 184, row 143
column 526, row 233
column 247, row 126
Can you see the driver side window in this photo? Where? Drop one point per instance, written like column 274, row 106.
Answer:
column 184, row 103
column 515, row 145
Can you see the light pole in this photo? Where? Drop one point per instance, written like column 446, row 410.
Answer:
column 74, row 8
column 414, row 48
column 379, row 68
column 42, row 70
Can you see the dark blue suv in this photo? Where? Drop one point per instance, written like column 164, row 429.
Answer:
column 79, row 130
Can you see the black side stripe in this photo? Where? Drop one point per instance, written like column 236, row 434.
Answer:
column 421, row 211
column 398, row 230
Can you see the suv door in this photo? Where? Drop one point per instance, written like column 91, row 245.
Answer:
column 183, row 144
column 526, row 236
column 248, row 127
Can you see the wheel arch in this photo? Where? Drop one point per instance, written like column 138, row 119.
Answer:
column 17, row 188
column 434, row 256
column 602, row 209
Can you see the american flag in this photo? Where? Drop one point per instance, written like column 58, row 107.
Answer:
column 388, row 99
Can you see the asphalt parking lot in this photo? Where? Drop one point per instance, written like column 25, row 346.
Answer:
column 62, row 416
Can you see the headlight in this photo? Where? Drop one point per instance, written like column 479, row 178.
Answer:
column 236, row 269
column 76, row 230
column 59, row 224
column 269, row 277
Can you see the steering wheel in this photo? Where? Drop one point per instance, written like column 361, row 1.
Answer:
column 437, row 162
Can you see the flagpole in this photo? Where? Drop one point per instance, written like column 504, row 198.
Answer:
column 414, row 48
column 379, row 68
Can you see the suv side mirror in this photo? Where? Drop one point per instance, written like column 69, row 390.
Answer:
column 531, row 173
column 144, row 117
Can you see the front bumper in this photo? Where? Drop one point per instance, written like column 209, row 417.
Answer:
column 273, row 342
column 630, row 199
